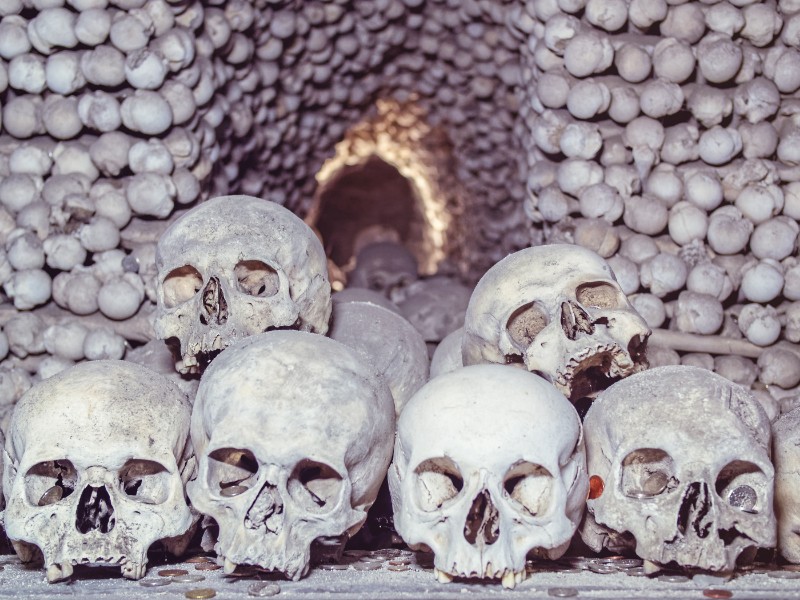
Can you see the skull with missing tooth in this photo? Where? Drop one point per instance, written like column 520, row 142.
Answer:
column 95, row 461
column 488, row 465
column 294, row 436
column 235, row 266
column 560, row 310
column 680, row 465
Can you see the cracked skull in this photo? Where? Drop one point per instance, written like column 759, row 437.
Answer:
column 235, row 266
column 294, row 436
column 560, row 311
column 680, row 469
column 102, row 497
column 483, row 490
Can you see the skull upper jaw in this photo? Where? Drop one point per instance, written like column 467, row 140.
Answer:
column 113, row 530
column 280, row 543
column 53, row 531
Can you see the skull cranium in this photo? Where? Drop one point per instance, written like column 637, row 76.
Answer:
column 680, row 465
column 235, row 266
column 385, row 267
column 104, row 496
column 558, row 309
column 294, row 435
column 786, row 457
column 482, row 490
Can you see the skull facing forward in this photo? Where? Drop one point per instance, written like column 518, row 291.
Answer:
column 235, row 266
column 680, row 465
column 294, row 435
column 482, row 491
column 95, row 461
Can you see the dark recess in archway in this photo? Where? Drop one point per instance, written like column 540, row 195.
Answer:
column 370, row 194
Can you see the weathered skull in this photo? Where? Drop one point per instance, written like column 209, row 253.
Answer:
column 95, row 461
column 385, row 267
column 558, row 309
column 680, row 468
column 488, row 465
column 435, row 306
column 235, row 266
column 387, row 342
column 294, row 436
column 786, row 458
column 364, row 295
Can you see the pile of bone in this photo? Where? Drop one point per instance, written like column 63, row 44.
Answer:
column 290, row 431
column 115, row 115
column 663, row 135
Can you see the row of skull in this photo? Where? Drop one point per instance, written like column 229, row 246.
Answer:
column 238, row 265
column 291, row 435
column 291, row 432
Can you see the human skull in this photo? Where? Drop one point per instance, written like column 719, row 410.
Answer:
column 481, row 489
column 679, row 459
column 559, row 309
column 385, row 267
column 786, row 458
column 235, row 266
column 435, row 306
column 294, row 435
column 95, row 462
column 447, row 356
column 387, row 342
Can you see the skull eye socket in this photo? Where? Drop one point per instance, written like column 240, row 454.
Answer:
column 180, row 285
column 742, row 485
column 376, row 283
column 598, row 294
column 648, row 472
column 315, row 486
column 50, row 481
column 231, row 471
column 145, row 481
column 256, row 278
column 438, row 481
column 530, row 486
column 525, row 324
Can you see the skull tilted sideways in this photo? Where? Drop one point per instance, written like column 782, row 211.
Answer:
column 294, row 436
column 488, row 465
column 385, row 267
column 559, row 309
column 95, row 460
column 679, row 459
column 387, row 342
column 786, row 458
column 235, row 266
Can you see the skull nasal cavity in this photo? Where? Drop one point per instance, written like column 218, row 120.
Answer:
column 95, row 511
column 695, row 509
column 267, row 505
column 215, row 307
column 575, row 320
column 482, row 527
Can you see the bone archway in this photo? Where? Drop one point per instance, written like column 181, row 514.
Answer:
column 370, row 200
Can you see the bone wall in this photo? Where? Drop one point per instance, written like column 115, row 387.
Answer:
column 662, row 135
